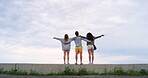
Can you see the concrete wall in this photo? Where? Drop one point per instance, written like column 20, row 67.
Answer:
column 55, row 68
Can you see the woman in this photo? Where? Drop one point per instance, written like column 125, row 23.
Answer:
column 66, row 43
column 90, row 46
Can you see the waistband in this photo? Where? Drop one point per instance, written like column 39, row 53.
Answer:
column 89, row 45
column 78, row 46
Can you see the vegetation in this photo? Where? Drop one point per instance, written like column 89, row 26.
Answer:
column 82, row 71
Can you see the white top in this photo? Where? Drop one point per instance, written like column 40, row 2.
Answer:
column 66, row 45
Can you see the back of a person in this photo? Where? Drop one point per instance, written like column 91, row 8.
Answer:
column 78, row 41
column 90, row 43
column 65, row 44
column 90, row 37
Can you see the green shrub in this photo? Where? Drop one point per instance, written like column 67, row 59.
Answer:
column 1, row 70
column 68, row 71
column 83, row 71
column 143, row 72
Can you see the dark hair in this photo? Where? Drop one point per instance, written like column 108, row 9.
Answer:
column 89, row 36
column 66, row 37
column 77, row 33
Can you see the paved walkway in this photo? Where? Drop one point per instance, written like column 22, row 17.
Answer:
column 13, row 76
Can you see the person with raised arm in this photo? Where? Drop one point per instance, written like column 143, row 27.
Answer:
column 90, row 46
column 66, row 45
column 78, row 49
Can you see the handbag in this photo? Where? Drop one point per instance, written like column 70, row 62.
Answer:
column 95, row 47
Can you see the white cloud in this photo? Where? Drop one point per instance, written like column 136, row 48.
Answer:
column 30, row 54
column 29, row 26
column 116, row 20
column 24, row 54
column 117, row 59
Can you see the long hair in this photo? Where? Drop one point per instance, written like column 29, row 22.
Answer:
column 66, row 37
column 89, row 36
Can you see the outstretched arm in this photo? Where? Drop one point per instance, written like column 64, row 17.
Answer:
column 99, row 36
column 86, row 40
column 60, row 39
column 83, row 37
column 57, row 38
column 70, row 40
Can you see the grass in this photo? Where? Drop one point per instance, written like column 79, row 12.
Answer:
column 119, row 71
column 82, row 71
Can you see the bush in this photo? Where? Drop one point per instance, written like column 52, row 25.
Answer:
column 83, row 71
column 143, row 72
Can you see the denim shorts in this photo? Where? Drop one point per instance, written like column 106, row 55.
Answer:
column 90, row 47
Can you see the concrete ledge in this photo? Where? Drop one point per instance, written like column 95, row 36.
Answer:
column 55, row 68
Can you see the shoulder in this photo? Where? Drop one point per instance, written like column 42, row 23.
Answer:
column 72, row 38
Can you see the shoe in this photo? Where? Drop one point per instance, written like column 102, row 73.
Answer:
column 81, row 64
column 76, row 64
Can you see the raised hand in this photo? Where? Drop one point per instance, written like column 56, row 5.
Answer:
column 102, row 35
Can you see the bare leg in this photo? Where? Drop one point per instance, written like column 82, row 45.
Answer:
column 92, row 52
column 89, row 53
column 68, row 56
column 76, row 58
column 64, row 57
column 81, row 58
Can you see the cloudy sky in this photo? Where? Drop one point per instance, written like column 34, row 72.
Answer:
column 27, row 28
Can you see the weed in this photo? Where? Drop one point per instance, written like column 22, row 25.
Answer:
column 143, row 72
column 1, row 70
column 68, row 71
column 82, row 71
column 13, row 72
